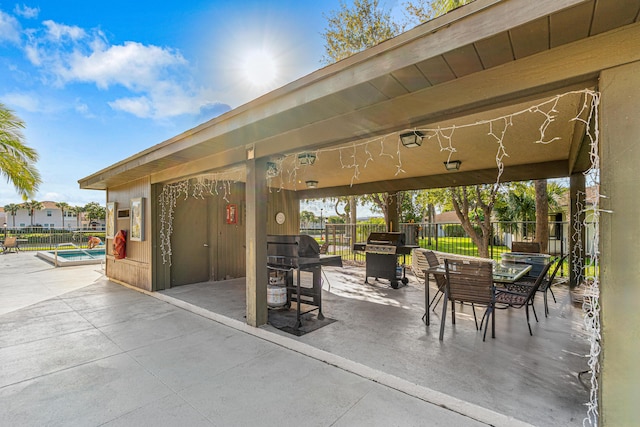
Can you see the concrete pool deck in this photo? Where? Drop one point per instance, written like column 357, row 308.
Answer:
column 78, row 349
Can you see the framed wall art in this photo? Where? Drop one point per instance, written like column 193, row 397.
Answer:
column 137, row 220
column 110, row 230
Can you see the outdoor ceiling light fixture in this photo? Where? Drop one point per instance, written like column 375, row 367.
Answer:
column 312, row 184
column 307, row 158
column 452, row 165
column 272, row 169
column 411, row 139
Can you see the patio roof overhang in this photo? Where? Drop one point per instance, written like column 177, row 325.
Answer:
column 476, row 63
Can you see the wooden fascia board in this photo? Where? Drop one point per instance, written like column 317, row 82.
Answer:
column 471, row 23
column 218, row 161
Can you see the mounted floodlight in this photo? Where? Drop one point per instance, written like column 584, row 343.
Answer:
column 307, row 158
column 452, row 165
column 411, row 139
column 312, row 184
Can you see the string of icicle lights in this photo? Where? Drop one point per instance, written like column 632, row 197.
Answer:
column 285, row 169
column 591, row 276
column 213, row 184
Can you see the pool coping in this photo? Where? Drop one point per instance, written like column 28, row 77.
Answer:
column 49, row 256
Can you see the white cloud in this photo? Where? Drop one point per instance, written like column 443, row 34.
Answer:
column 26, row 11
column 132, row 65
column 83, row 109
column 58, row 32
column 9, row 28
column 32, row 102
column 24, row 101
column 158, row 78
column 33, row 55
column 140, row 106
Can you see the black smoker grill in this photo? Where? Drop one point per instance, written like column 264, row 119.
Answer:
column 289, row 254
column 382, row 252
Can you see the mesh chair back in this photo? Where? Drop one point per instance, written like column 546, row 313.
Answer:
column 432, row 259
column 469, row 281
column 518, row 300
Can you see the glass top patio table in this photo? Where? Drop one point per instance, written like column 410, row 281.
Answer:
column 504, row 272
column 509, row 272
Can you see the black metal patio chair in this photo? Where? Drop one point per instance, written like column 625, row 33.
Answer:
column 522, row 285
column 548, row 283
column 505, row 298
column 441, row 280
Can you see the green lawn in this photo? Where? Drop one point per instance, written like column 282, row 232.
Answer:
column 460, row 245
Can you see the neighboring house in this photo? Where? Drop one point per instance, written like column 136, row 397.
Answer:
column 445, row 221
column 50, row 217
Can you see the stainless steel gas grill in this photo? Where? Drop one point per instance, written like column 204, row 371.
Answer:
column 382, row 253
column 289, row 254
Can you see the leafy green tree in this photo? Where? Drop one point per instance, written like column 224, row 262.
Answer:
column 473, row 206
column 335, row 219
column 419, row 11
column 517, row 203
column 354, row 29
column 64, row 207
column 378, row 203
column 427, row 201
column 307, row 217
column 12, row 209
column 94, row 211
column 32, row 206
column 410, row 210
column 521, row 202
column 17, row 160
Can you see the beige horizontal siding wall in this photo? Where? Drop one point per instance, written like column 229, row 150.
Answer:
column 135, row 270
column 286, row 202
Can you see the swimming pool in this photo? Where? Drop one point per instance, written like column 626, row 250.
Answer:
column 70, row 257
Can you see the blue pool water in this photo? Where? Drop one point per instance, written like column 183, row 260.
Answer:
column 78, row 255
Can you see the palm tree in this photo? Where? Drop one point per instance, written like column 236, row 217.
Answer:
column 63, row 207
column 76, row 210
column 519, row 203
column 32, row 206
column 94, row 211
column 12, row 209
column 17, row 160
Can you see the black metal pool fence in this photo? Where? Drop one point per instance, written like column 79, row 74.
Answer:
column 443, row 237
column 447, row 237
column 43, row 239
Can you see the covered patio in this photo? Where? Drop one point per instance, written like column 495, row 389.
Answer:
column 533, row 379
column 513, row 89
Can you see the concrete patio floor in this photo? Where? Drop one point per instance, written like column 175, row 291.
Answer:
column 77, row 349
column 530, row 378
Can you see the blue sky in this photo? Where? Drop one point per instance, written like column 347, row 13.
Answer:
column 98, row 81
